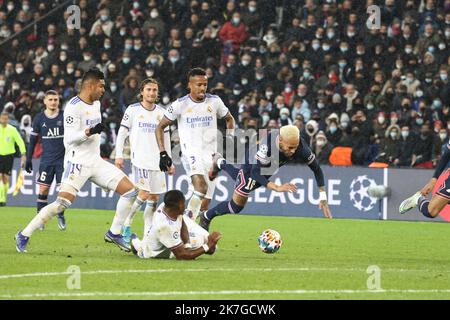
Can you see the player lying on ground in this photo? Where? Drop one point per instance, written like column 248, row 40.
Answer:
column 82, row 126
column 196, row 114
column 139, row 122
column 439, row 200
column 248, row 177
column 48, row 125
column 173, row 234
column 9, row 137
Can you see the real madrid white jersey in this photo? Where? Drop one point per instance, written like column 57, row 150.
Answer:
column 141, row 124
column 197, row 123
column 164, row 234
column 79, row 115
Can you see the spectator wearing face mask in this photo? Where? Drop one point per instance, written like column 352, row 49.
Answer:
column 411, row 83
column 424, row 148
column 25, row 128
column 322, row 148
column 309, row 131
column 285, row 118
column 333, row 132
column 407, row 143
column 391, row 146
column 232, row 34
column 380, row 125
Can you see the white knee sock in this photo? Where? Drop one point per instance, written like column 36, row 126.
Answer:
column 45, row 215
column 148, row 215
column 123, row 209
column 134, row 208
column 195, row 203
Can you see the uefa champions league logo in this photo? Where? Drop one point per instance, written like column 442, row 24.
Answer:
column 359, row 195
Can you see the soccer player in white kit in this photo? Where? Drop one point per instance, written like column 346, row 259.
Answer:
column 196, row 114
column 173, row 234
column 82, row 125
column 139, row 123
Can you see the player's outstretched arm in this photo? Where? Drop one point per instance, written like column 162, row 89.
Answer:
column 286, row 187
column 323, row 203
column 182, row 253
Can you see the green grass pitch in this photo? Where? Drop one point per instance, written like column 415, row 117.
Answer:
column 319, row 259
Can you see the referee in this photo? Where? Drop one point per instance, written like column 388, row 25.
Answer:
column 9, row 136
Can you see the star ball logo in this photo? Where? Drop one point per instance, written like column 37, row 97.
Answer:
column 69, row 120
column 359, row 195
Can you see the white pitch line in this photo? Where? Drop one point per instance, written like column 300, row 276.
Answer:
column 210, row 293
column 304, row 269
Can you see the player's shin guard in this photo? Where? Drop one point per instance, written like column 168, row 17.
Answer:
column 195, row 203
column 46, row 213
column 42, row 201
column 423, row 207
column 122, row 210
column 134, row 208
column 150, row 209
column 223, row 208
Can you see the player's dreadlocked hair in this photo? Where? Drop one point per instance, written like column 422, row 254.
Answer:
column 196, row 72
column 143, row 84
column 173, row 198
column 93, row 74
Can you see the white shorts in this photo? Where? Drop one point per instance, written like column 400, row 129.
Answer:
column 195, row 164
column 197, row 235
column 102, row 173
column 153, row 181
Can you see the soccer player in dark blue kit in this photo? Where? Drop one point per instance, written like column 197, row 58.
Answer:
column 249, row 177
column 431, row 208
column 49, row 126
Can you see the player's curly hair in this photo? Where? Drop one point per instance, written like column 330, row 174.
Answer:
column 196, row 72
column 93, row 74
column 173, row 198
column 142, row 86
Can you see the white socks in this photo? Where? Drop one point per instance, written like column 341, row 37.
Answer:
column 45, row 215
column 150, row 209
column 195, row 203
column 134, row 208
column 123, row 209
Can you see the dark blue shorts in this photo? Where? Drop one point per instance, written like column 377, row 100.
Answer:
column 245, row 184
column 49, row 172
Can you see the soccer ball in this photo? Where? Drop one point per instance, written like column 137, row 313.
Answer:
column 269, row 241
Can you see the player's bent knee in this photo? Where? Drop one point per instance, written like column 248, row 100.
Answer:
column 67, row 188
column 43, row 190
column 234, row 207
column 121, row 184
column 436, row 206
column 130, row 193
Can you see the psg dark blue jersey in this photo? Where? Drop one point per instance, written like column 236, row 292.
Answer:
column 51, row 131
column 264, row 158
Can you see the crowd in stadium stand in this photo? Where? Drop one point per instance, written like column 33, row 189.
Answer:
column 382, row 93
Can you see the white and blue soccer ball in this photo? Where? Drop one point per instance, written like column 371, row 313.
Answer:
column 269, row 241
